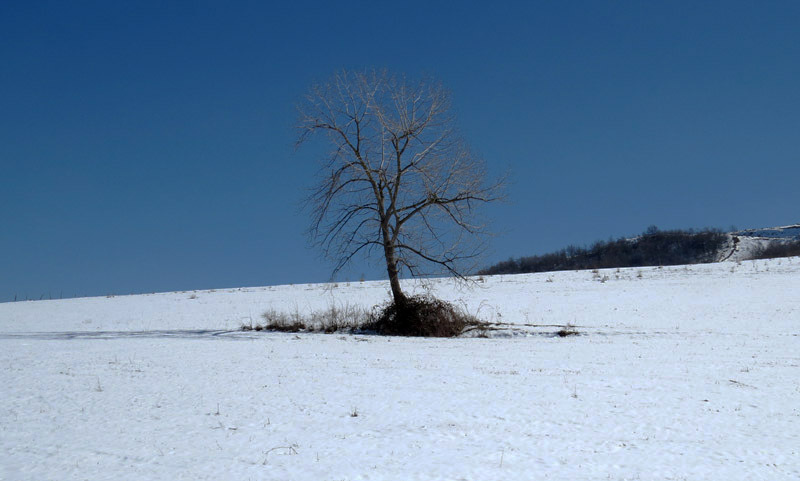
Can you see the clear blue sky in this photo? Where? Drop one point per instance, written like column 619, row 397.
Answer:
column 148, row 146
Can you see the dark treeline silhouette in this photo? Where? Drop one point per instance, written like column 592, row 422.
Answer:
column 652, row 248
column 778, row 249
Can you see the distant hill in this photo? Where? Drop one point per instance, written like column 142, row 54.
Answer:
column 766, row 243
column 658, row 248
column 785, row 232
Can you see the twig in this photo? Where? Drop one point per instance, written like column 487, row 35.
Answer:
column 740, row 383
column 289, row 450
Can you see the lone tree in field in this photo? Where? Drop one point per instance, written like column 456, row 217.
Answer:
column 398, row 178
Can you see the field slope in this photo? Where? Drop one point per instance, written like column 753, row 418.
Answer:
column 683, row 372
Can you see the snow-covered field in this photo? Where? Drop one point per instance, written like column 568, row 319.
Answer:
column 681, row 373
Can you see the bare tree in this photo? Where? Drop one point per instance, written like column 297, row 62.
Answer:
column 398, row 178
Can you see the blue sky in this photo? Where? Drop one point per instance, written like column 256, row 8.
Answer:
column 148, row 146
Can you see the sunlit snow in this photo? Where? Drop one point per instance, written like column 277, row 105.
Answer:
column 682, row 372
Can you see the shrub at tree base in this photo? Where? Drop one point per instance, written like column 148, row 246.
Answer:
column 421, row 316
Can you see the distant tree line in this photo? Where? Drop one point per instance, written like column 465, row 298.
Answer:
column 653, row 248
column 778, row 249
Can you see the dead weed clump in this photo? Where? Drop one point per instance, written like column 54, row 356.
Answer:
column 283, row 322
column 567, row 330
column 346, row 318
column 420, row 316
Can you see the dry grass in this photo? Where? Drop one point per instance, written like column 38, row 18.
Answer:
column 333, row 319
column 420, row 316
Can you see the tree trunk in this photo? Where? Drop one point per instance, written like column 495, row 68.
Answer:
column 394, row 282
column 391, row 267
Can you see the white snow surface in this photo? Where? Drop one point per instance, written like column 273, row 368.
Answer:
column 684, row 372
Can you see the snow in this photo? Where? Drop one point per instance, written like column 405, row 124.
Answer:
column 683, row 372
column 750, row 242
